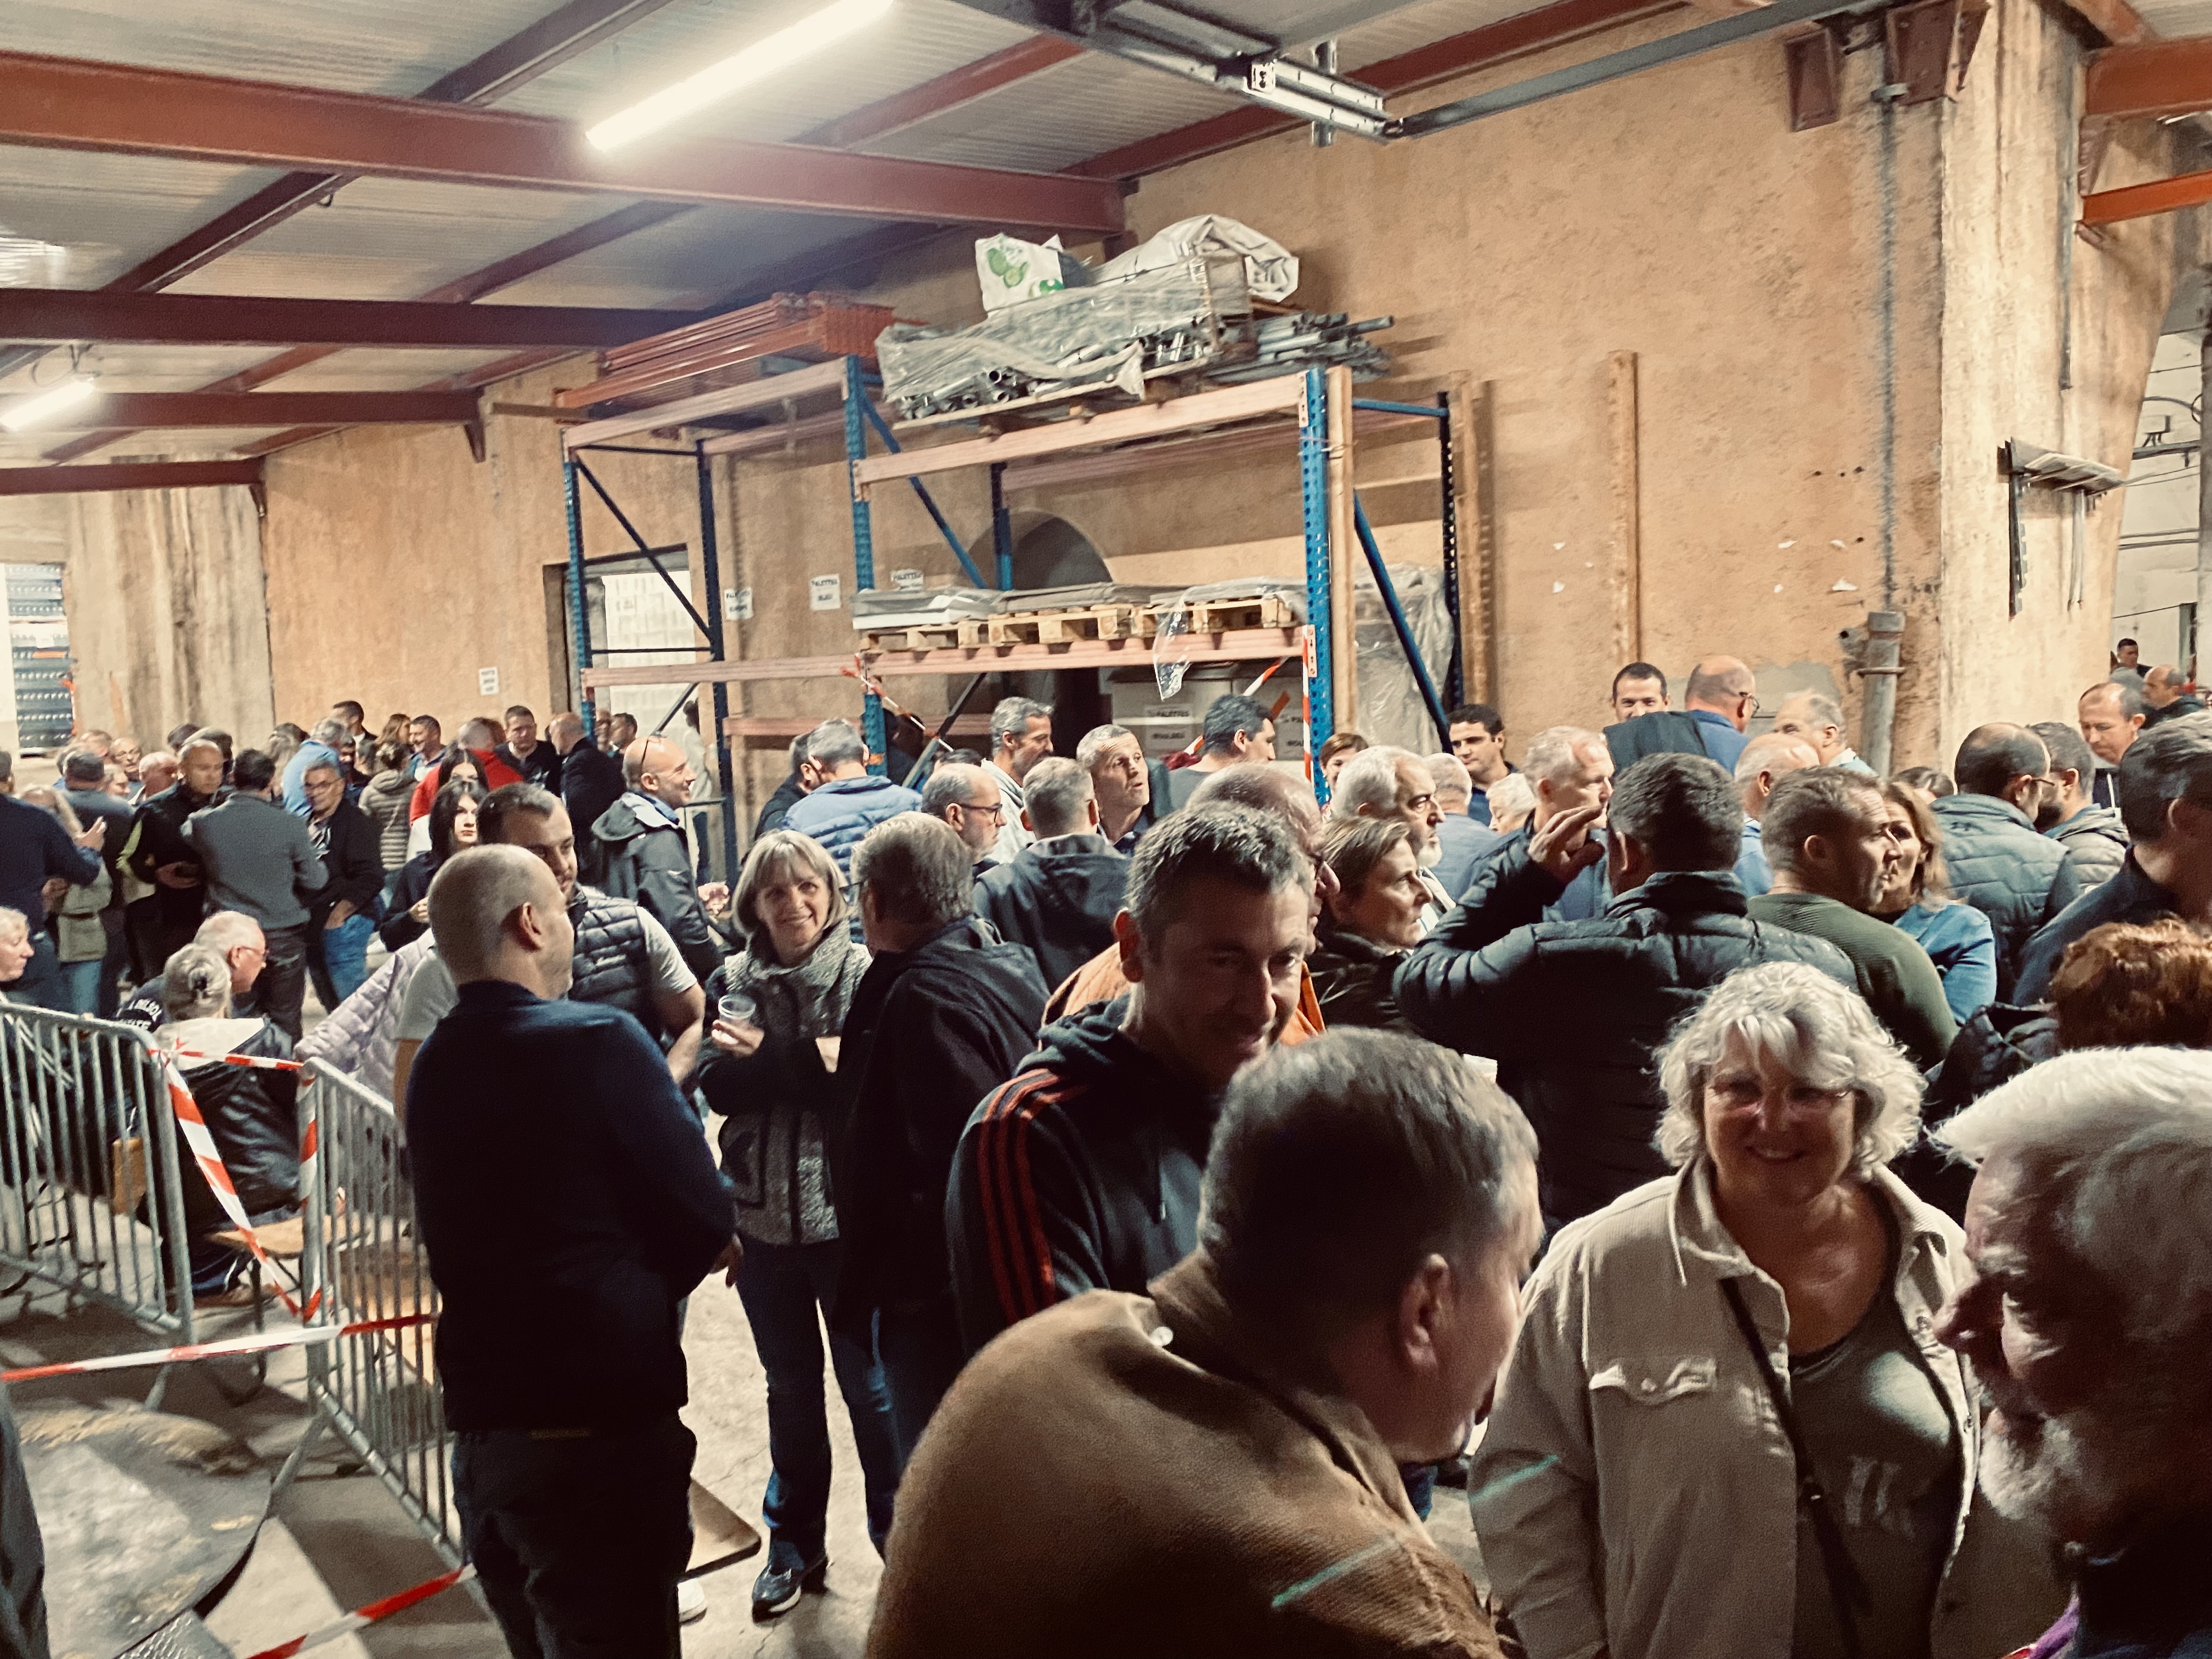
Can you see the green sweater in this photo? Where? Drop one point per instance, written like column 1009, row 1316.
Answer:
column 1895, row 974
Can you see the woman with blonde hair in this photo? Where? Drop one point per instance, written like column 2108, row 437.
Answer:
column 1728, row 1426
column 1957, row 937
column 779, row 1007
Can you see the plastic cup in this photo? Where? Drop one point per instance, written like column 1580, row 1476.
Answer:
column 739, row 1009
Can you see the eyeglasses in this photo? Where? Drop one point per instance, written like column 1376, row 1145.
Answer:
column 997, row 809
column 1751, row 699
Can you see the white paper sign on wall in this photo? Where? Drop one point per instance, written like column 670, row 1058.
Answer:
column 487, row 682
column 744, row 605
column 730, row 598
column 906, row 581
column 825, row 593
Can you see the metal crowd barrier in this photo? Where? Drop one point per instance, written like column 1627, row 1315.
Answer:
column 378, row 1390
column 90, row 1195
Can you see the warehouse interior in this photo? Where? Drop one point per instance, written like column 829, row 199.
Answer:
column 339, row 358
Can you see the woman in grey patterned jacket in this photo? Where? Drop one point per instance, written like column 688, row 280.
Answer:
column 780, row 1005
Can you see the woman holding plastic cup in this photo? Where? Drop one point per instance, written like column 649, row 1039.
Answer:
column 780, row 1006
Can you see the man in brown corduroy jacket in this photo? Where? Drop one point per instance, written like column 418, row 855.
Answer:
column 1211, row 1468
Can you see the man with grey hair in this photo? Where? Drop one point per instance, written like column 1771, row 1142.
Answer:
column 1122, row 780
column 1722, row 696
column 943, row 1017
column 1059, row 897
column 1818, row 719
column 1083, row 1172
column 1021, row 736
column 322, row 745
column 1568, row 768
column 238, row 939
column 2111, row 715
column 1573, row 1011
column 1765, row 761
column 1461, row 841
column 1232, row 1433
column 567, row 1202
column 2086, row 1317
column 2165, row 803
column 1385, row 781
column 966, row 798
column 846, row 800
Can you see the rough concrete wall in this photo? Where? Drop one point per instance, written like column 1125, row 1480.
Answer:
column 163, row 589
column 2047, row 336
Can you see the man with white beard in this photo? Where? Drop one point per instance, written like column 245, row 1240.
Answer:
column 2087, row 1319
column 1387, row 782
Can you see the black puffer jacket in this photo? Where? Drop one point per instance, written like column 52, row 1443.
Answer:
column 1998, row 864
column 1058, row 899
column 1352, row 975
column 1572, row 1011
column 1993, row 1048
column 252, row 1115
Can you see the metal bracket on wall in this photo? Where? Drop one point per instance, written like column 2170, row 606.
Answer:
column 2028, row 466
column 1928, row 45
column 1814, row 63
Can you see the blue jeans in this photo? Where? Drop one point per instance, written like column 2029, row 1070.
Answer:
column 781, row 1286
column 578, row 1537
column 81, row 980
column 922, row 1352
column 338, row 958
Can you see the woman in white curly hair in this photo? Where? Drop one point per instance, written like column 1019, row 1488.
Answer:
column 1728, row 1426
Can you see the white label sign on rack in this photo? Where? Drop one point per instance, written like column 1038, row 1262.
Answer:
column 906, row 581
column 737, row 604
column 487, row 682
column 825, row 593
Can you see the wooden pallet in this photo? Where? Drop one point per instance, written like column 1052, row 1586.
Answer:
column 1269, row 610
column 1104, row 622
column 929, row 636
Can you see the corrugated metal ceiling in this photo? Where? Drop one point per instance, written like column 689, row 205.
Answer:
column 389, row 239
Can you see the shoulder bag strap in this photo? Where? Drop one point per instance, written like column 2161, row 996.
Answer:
column 1848, row 1589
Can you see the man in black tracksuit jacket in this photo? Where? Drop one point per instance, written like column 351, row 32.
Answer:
column 1083, row 1172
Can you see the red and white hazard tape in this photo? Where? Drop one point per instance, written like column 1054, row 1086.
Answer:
column 257, row 1342
column 202, row 1145
column 360, row 1618
column 248, row 1062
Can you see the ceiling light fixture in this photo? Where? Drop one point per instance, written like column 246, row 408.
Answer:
column 757, row 62
column 63, row 394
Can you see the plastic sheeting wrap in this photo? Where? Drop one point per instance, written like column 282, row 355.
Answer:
column 1271, row 271
column 1391, row 707
column 1063, row 342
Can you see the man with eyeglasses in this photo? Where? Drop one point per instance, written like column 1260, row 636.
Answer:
column 967, row 798
column 1722, row 697
column 244, row 947
column 1389, row 782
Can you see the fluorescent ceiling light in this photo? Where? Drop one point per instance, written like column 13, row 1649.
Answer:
column 757, row 62
column 66, row 394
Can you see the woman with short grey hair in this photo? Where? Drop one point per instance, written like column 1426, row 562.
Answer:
column 1728, row 1425
column 780, row 1005
column 251, row 1111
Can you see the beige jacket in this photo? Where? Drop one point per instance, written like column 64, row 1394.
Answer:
column 1635, row 1491
column 1124, row 1477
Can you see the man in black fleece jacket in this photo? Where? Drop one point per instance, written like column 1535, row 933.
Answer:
column 567, row 1204
column 1059, row 896
column 942, row 1016
column 1083, row 1173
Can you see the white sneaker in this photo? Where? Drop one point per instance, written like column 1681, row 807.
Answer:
column 690, row 1601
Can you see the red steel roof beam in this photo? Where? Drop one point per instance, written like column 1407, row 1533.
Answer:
column 75, row 104
column 151, row 410
column 2159, row 77
column 60, row 316
column 126, row 475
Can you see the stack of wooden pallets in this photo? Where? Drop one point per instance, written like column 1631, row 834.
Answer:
column 727, row 351
column 1095, row 622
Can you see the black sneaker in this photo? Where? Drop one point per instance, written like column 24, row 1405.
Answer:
column 783, row 1581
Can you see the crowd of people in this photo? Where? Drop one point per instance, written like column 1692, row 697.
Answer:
column 1694, row 1144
